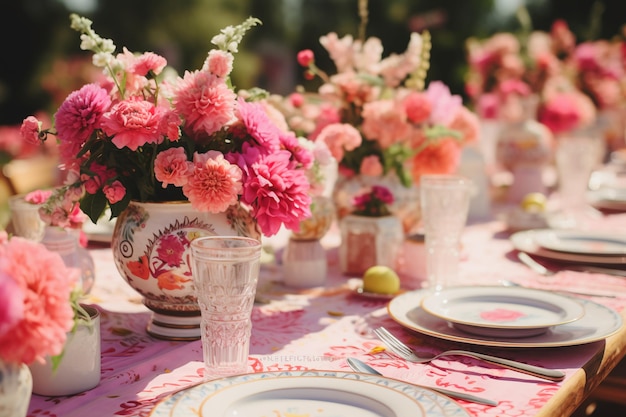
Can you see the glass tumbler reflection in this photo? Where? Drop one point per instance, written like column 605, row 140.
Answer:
column 445, row 205
column 225, row 273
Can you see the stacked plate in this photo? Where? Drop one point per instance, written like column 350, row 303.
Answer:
column 504, row 316
column 608, row 198
column 585, row 247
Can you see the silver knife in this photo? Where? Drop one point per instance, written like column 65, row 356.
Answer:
column 360, row 366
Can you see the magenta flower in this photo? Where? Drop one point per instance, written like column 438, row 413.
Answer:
column 170, row 250
column 77, row 118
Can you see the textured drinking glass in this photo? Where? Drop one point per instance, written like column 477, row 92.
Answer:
column 25, row 219
column 225, row 273
column 445, row 204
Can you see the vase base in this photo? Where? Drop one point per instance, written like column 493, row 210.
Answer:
column 177, row 328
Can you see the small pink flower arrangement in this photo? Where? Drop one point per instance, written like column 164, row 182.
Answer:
column 144, row 133
column 375, row 115
column 38, row 301
column 374, row 202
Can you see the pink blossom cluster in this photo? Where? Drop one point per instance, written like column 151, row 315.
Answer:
column 143, row 135
column 573, row 81
column 373, row 115
column 35, row 309
column 374, row 202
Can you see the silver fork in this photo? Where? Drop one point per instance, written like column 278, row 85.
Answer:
column 406, row 353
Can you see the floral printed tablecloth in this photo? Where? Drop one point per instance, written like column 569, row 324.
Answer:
column 316, row 329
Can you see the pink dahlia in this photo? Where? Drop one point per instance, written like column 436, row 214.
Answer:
column 47, row 314
column 76, row 119
column 277, row 194
column 215, row 183
column 205, row 102
column 258, row 125
column 133, row 123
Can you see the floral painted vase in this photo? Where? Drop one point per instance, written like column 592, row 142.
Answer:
column 151, row 251
column 79, row 368
column 16, row 387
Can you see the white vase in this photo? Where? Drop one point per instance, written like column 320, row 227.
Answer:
column 79, row 369
column 304, row 264
column 16, row 385
column 151, row 251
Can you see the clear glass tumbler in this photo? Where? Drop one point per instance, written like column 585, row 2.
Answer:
column 445, row 203
column 225, row 273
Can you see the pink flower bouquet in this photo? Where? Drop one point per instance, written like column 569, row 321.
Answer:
column 374, row 113
column 147, row 134
column 38, row 301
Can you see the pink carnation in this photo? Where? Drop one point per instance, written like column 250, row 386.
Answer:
column 133, row 123
column 30, row 130
column 384, row 122
column 147, row 62
column 172, row 167
column 12, row 305
column 76, row 119
column 205, row 102
column 219, row 63
column 46, row 284
column 215, row 183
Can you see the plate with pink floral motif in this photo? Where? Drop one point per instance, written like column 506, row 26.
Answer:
column 502, row 311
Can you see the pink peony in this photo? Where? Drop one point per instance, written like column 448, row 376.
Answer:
column 215, row 183
column 444, row 103
column 172, row 167
column 133, row 123
column 77, row 118
column 46, row 284
column 205, row 102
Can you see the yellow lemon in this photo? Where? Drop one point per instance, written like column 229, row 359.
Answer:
column 534, row 203
column 381, row 279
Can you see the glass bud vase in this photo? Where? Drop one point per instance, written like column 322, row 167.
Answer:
column 368, row 241
column 65, row 243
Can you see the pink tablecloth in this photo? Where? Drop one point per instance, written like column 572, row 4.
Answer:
column 317, row 329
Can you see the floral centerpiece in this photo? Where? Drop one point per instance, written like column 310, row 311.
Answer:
column 147, row 134
column 375, row 115
column 39, row 306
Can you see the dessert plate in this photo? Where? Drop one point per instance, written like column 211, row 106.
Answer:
column 526, row 241
column 598, row 323
column 307, row 393
column 502, row 311
column 581, row 242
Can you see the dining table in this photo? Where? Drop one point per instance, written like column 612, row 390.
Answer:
column 317, row 328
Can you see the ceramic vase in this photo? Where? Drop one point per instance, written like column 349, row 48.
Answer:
column 16, row 386
column 79, row 368
column 368, row 241
column 151, row 251
column 304, row 259
column 406, row 205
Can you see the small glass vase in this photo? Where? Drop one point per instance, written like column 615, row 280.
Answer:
column 66, row 243
column 368, row 241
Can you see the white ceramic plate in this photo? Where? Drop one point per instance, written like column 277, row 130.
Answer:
column 581, row 242
column 598, row 323
column 307, row 393
column 527, row 242
column 509, row 309
column 608, row 198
